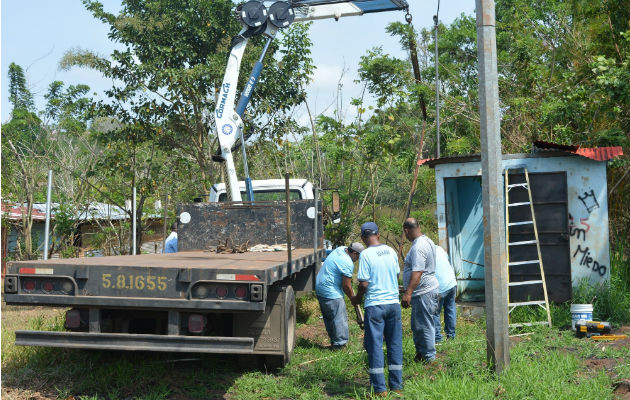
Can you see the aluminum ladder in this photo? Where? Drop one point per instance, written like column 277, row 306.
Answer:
column 543, row 303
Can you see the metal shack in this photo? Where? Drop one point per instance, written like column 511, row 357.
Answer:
column 569, row 191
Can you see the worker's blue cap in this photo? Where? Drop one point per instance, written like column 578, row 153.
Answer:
column 369, row 228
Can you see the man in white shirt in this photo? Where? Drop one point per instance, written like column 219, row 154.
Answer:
column 421, row 289
column 170, row 244
column 445, row 275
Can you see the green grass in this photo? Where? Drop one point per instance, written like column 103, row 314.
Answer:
column 548, row 364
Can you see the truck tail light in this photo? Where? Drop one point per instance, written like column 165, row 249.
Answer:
column 195, row 323
column 240, row 291
column 29, row 285
column 48, row 286
column 222, row 292
column 73, row 319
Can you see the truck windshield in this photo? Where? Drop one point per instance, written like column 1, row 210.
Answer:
column 266, row 195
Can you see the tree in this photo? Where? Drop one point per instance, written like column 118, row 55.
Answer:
column 171, row 66
column 24, row 159
column 74, row 152
column 19, row 95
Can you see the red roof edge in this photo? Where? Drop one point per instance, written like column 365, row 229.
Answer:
column 594, row 153
column 600, row 153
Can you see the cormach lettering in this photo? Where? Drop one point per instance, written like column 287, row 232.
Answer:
column 225, row 89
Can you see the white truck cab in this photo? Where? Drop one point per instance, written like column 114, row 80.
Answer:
column 266, row 190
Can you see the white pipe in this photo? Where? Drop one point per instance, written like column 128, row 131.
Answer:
column 47, row 229
column 133, row 208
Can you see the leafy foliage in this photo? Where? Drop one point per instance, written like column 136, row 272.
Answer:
column 171, row 65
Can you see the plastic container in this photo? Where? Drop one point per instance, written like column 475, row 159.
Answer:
column 581, row 311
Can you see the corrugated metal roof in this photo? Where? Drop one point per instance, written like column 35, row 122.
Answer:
column 601, row 153
column 94, row 211
column 98, row 211
column 14, row 212
column 450, row 159
column 593, row 153
column 539, row 144
column 539, row 149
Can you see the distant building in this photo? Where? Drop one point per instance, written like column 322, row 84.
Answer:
column 570, row 197
column 91, row 219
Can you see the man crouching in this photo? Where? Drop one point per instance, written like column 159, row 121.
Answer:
column 335, row 276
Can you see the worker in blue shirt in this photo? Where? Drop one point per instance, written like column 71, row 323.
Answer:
column 378, row 281
column 333, row 280
column 170, row 245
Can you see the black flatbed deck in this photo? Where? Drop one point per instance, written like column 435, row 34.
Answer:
column 186, row 259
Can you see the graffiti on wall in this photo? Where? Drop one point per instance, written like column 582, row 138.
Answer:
column 578, row 232
column 583, row 255
column 589, row 261
column 589, row 200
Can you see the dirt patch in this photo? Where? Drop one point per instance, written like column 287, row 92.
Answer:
column 602, row 363
column 621, row 343
column 610, row 365
column 9, row 393
column 622, row 390
column 315, row 334
column 514, row 340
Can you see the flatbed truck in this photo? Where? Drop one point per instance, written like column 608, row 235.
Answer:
column 195, row 300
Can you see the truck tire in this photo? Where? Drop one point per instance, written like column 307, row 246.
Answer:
column 273, row 362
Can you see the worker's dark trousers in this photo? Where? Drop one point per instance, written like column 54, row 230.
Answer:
column 384, row 321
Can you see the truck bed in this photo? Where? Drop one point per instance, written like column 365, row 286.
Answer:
column 152, row 280
column 185, row 259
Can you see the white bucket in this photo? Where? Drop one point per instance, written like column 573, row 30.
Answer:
column 581, row 311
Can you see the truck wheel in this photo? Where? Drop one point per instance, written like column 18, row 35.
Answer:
column 273, row 362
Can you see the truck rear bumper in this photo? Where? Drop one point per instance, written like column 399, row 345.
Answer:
column 136, row 342
column 132, row 302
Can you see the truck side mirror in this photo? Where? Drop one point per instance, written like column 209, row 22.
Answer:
column 336, row 207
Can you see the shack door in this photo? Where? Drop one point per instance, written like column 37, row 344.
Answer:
column 549, row 194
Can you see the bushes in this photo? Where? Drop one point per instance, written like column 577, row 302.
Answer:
column 611, row 300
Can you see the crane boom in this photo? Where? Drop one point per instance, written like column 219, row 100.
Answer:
column 257, row 19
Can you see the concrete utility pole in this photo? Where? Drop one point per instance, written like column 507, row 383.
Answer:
column 498, row 351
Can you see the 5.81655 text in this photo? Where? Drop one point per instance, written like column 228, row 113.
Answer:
column 135, row 282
